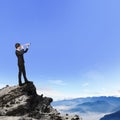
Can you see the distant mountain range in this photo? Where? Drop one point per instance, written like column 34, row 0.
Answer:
column 97, row 106
column 86, row 105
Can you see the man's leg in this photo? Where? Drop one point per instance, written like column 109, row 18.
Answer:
column 24, row 73
column 19, row 75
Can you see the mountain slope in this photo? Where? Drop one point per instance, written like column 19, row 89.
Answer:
column 113, row 116
column 97, row 106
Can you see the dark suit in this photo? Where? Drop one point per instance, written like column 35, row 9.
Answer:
column 21, row 65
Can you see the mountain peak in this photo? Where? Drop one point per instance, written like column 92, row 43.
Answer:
column 23, row 101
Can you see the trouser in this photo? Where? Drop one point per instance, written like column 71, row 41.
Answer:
column 22, row 71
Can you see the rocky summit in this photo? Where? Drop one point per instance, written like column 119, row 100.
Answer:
column 23, row 103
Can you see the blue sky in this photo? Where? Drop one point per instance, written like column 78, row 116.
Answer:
column 75, row 45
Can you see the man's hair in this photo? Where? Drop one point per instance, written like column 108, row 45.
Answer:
column 17, row 45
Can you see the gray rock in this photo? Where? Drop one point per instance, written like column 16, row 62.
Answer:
column 23, row 103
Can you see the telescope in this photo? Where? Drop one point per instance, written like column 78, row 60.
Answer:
column 25, row 45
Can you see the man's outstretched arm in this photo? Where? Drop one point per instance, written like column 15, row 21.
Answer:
column 25, row 50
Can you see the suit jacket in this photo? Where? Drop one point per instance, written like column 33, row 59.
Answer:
column 20, row 56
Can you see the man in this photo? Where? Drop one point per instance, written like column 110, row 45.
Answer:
column 19, row 53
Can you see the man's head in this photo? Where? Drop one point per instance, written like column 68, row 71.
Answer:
column 17, row 45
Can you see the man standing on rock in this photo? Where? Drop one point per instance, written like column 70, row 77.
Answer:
column 20, row 50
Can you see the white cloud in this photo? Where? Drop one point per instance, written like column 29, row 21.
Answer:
column 56, row 95
column 85, row 84
column 63, row 107
column 88, row 93
column 92, row 116
column 93, row 75
column 112, row 93
column 57, row 82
